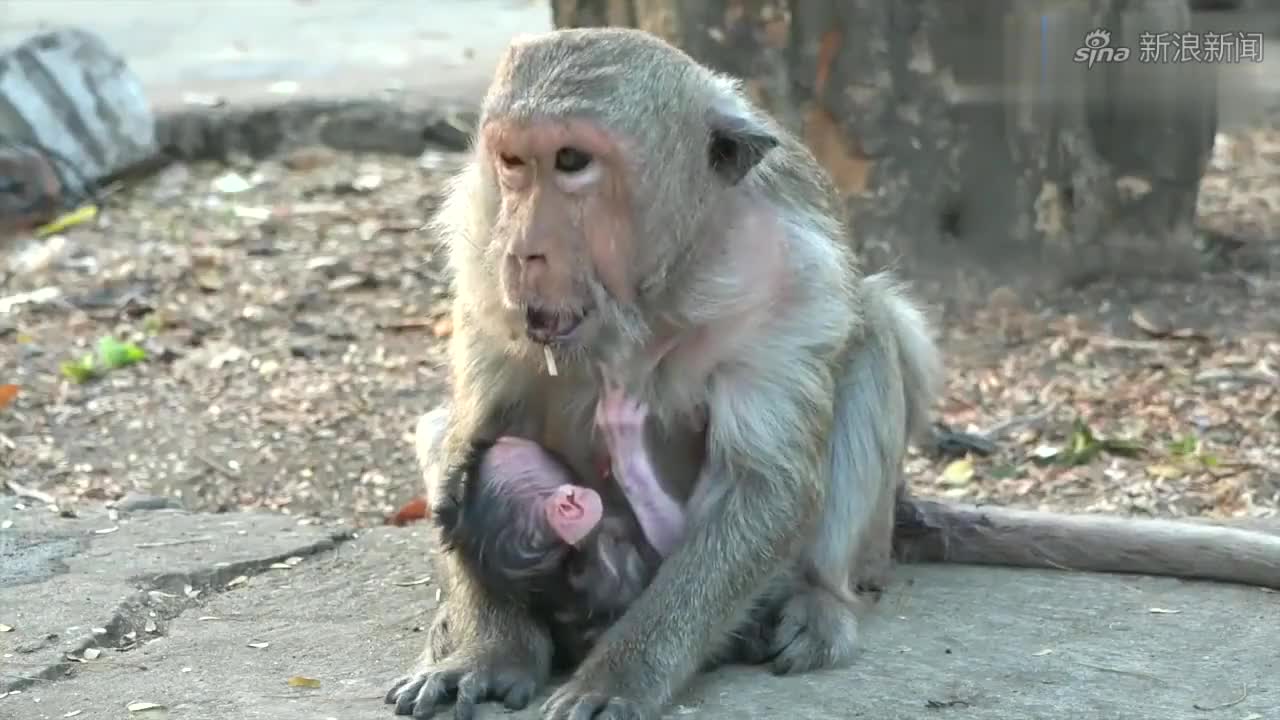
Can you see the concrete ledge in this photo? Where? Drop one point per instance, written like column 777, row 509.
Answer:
column 402, row 125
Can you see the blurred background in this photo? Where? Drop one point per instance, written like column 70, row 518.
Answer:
column 218, row 288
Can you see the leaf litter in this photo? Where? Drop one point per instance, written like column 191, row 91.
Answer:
column 288, row 320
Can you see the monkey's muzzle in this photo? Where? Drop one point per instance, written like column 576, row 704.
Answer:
column 548, row 326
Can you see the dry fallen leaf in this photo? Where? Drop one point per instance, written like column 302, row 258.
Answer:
column 106, row 531
column 72, row 713
column 7, row 394
column 443, row 327
column 300, row 681
column 412, row 511
column 92, row 653
column 1042, row 653
column 958, row 473
column 259, row 644
column 1168, row 472
column 239, row 580
column 1150, row 321
column 6, row 628
column 31, row 493
column 140, row 707
column 1045, row 452
column 150, row 626
column 1162, row 611
column 410, row 583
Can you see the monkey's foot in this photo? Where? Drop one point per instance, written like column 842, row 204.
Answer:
column 469, row 678
column 815, row 630
column 583, row 697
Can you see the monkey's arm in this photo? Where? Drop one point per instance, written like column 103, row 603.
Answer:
column 747, row 519
column 622, row 418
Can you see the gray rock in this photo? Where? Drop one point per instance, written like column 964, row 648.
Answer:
column 66, row 93
column 134, row 502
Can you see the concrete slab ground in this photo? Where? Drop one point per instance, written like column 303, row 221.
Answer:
column 211, row 615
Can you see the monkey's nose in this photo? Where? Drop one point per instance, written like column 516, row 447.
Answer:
column 532, row 266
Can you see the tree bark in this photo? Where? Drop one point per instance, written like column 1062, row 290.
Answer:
column 972, row 150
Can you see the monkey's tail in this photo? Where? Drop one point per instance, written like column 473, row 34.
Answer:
column 936, row 531
column 919, row 360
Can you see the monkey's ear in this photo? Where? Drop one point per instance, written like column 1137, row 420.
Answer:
column 736, row 146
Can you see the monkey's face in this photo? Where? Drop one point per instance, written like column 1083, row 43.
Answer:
column 562, row 237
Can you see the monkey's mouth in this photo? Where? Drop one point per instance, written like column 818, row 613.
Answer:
column 548, row 326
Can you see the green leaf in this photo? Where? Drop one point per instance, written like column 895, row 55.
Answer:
column 79, row 371
column 153, row 323
column 1082, row 446
column 115, row 354
column 1186, row 445
column 1123, row 448
column 1004, row 471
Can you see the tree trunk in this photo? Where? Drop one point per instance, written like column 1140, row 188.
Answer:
column 972, row 149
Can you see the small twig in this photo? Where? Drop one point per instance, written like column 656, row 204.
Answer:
column 218, row 467
column 1231, row 470
column 29, row 493
column 1244, row 693
column 1120, row 671
column 171, row 543
column 1115, row 343
column 1008, row 424
column 411, row 583
column 1231, row 376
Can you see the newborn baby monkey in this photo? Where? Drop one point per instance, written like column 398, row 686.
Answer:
column 530, row 527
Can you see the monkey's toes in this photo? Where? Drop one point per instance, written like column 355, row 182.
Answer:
column 814, row 631
column 592, row 706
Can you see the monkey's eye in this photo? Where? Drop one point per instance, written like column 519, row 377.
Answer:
column 571, row 160
column 511, row 161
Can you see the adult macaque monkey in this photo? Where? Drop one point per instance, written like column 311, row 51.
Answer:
column 638, row 213
column 628, row 208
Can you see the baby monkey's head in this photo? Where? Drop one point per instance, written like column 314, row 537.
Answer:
column 523, row 515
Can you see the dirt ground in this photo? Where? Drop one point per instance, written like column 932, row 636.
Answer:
column 291, row 309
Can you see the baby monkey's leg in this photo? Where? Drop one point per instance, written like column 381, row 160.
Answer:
column 622, row 419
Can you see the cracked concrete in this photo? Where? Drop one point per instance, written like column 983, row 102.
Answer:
column 950, row 642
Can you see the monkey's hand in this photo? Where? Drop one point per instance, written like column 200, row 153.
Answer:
column 509, row 665
column 621, row 418
column 593, row 692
